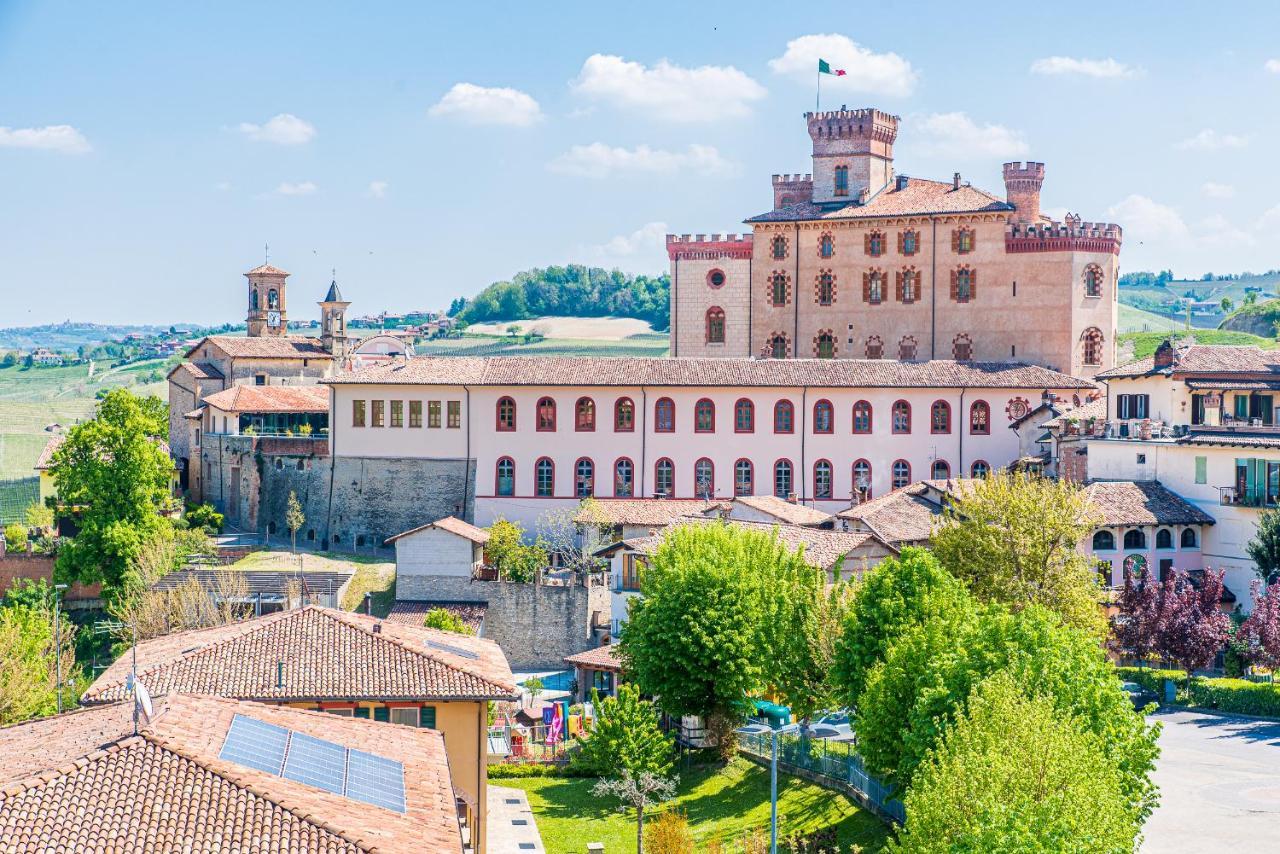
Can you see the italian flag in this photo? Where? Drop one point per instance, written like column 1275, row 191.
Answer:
column 824, row 67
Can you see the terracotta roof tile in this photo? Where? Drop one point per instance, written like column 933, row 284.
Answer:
column 270, row 398
column 266, row 270
column 1083, row 412
column 601, row 658
column 1128, row 502
column 663, row 371
column 198, row 370
column 1205, row 359
column 411, row 612
column 783, row 510
column 451, row 524
column 45, row 460
column 267, row 347
column 642, row 511
column 902, row 516
column 1231, row 439
column 327, row 654
column 822, row 549
column 920, row 196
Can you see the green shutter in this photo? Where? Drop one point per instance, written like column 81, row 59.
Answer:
column 427, row 717
column 382, row 713
column 1202, row 465
column 1242, row 406
column 1259, row 481
column 362, row 712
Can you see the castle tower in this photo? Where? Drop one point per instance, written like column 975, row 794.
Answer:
column 1022, row 190
column 267, row 315
column 333, row 322
column 852, row 153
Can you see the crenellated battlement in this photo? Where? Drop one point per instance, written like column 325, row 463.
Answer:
column 1032, row 171
column 1073, row 234
column 864, row 124
column 686, row 246
column 797, row 178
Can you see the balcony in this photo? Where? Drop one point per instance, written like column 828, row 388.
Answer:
column 1231, row 496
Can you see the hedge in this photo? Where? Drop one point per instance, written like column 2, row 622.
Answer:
column 1225, row 695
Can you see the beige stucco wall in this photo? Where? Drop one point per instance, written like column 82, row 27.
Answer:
column 436, row 552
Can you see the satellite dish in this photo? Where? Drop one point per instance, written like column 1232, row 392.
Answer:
column 141, row 696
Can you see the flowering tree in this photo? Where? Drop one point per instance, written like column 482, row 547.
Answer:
column 1135, row 630
column 1194, row 629
column 1260, row 633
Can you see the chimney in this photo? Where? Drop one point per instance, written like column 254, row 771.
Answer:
column 901, row 183
column 368, row 604
column 1022, row 190
column 955, row 181
column 1165, row 355
column 377, row 628
column 791, row 496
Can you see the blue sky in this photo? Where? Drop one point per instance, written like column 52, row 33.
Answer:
column 149, row 150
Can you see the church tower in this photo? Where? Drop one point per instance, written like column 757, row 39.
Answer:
column 267, row 315
column 333, row 322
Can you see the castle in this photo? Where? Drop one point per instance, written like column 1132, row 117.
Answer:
column 855, row 261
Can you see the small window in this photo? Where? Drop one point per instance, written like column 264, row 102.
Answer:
column 664, row 477
column 901, row 474
column 875, row 243
column 744, row 416
column 979, row 418
column 506, row 482
column 826, row 246
column 1093, row 281
column 962, row 284
column 1142, row 459
column 379, row 418
column 962, row 348
column 940, row 417
column 357, row 413
column 824, row 347
column 664, row 416
column 826, row 284
column 704, row 478
column 862, row 480
column 546, row 411
column 980, row 468
column 545, row 476
column 415, row 413
column 1091, row 346
column 778, row 347
column 584, row 417
column 1189, row 539
column 1104, row 541
column 940, row 470
column 962, row 240
column 778, row 248
column 875, row 347
column 743, row 477
column 824, row 417
column 624, row 478
column 908, row 289
column 873, row 287
column 1135, row 539
column 823, row 487
column 404, row 717
column 455, row 414
column 909, row 242
column 397, row 413
column 783, row 417
column 778, row 290
column 862, row 417
column 901, row 417
column 715, row 325
column 260, row 379
column 716, row 278
column 433, row 413
column 782, row 479
column 841, row 186
column 506, row 415
column 584, row 478
column 624, row 416
column 1164, row 539
column 704, row 416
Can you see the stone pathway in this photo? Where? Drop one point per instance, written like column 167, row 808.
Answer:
column 512, row 828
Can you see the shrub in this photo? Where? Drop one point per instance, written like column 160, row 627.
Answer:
column 1238, row 696
column 446, row 621
column 512, row 770
column 15, row 537
column 669, row 833
column 205, row 517
column 626, row 736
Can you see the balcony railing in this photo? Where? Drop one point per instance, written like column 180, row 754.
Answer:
column 1230, row 496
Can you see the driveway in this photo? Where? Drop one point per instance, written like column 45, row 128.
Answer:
column 1219, row 779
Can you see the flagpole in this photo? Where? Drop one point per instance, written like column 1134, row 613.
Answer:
column 817, row 100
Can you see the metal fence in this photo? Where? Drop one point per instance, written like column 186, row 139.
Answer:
column 16, row 496
column 827, row 760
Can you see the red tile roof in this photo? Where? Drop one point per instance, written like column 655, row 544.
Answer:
column 600, row 658
column 822, row 549
column 198, row 370
column 327, row 654
column 903, row 516
column 1128, row 502
column 82, row 781
column 266, row 270
column 451, row 524
column 270, row 398
column 411, row 612
column 45, row 460
column 641, row 511
column 266, row 347
column 920, row 196
column 662, row 371
column 1204, row 359
column 783, row 510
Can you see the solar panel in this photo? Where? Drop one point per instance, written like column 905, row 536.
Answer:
column 255, row 744
column 375, row 780
column 450, row 648
column 316, row 762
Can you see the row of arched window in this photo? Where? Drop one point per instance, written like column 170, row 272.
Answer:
column 704, row 477
column 1136, row 538
column 874, row 243
column 875, row 286
column 824, row 347
column 744, row 416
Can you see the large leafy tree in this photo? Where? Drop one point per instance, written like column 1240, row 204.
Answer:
column 507, row 552
column 571, row 289
column 1260, row 632
column 1264, row 548
column 1012, row 538
column 1014, row 774
column 898, row 594
column 1136, row 628
column 1194, row 628
column 113, row 470
column 625, row 736
column 29, row 659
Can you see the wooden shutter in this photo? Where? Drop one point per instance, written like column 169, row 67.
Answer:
column 427, row 717
column 866, row 243
column 900, row 249
column 382, row 713
column 955, row 240
column 897, row 285
column 362, row 712
column 866, row 287
column 973, row 284
column 955, row 295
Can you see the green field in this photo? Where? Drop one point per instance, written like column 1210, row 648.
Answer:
column 1133, row 319
column 721, row 802
column 1145, row 343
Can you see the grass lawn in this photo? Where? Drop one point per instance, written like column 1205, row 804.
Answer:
column 723, row 803
column 1145, row 343
column 373, row 575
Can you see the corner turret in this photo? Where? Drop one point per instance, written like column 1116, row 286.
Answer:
column 1022, row 190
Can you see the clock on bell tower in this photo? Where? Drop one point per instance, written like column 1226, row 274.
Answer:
column 267, row 314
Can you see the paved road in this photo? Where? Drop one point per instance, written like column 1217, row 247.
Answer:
column 512, row 828
column 1219, row 780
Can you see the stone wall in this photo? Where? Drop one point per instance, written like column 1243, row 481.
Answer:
column 536, row 625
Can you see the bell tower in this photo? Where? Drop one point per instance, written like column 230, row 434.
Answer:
column 333, row 322
column 267, row 314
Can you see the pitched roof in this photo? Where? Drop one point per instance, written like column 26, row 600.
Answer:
column 822, row 549
column 266, row 347
column 920, row 196
column 198, row 370
column 451, row 524
column 783, row 510
column 903, row 516
column 84, row 781
column 266, row 270
column 601, row 658
column 1204, row 359
column 45, row 460
column 641, row 511
column 270, row 398
column 1092, row 409
column 1231, row 439
column 327, row 654
column 268, row 582
column 411, row 612
column 1128, row 502
column 334, row 295
column 687, row 371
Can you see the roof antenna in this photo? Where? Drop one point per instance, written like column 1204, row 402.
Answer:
column 266, row 254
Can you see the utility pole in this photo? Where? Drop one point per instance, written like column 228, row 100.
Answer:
column 57, row 645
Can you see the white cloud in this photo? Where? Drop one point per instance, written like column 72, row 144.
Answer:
column 1144, row 219
column 1059, row 65
column 302, row 188
column 483, row 105
column 1211, row 140
column 598, row 160
column 283, row 129
column 958, row 136
column 865, row 70
column 1217, row 232
column 647, row 242
column 668, row 92
column 1214, row 190
column 377, row 190
column 1272, row 65
column 61, row 138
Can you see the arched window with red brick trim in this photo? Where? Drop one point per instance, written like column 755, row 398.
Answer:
column 584, row 415
column 964, row 284
column 715, row 325
column 783, row 479
column 875, row 347
column 1091, row 346
column 506, row 416
column 907, row 285
column 940, row 470
column 901, row 416
column 980, row 468
column 743, row 477
column 784, row 417
column 826, row 288
column 862, row 486
column 874, row 243
column 544, row 471
column 823, row 480
column 624, row 415
column 546, row 415
column 505, row 477
column 824, row 417
column 962, row 348
column 862, row 417
column 624, row 475
column 664, row 478
column 873, row 287
column 584, row 478
column 779, row 289
column 704, row 478
column 778, row 247
column 704, row 416
column 1093, row 281
column 908, row 242
column 824, row 345
column 907, row 348
column 744, row 416
column 901, row 474
column 940, row 417
column 980, row 418
column 963, row 240
column 664, row 415
column 778, row 347
column 826, row 245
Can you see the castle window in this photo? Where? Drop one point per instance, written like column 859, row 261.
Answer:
column 784, row 420
column 546, row 415
column 704, row 416
column 664, row 416
column 940, row 470
column 1164, row 539
column 1135, row 539
column 1091, row 345
column 940, row 417
column 824, row 417
column 824, row 346
column 623, row 478
column 826, row 245
column 980, row 468
column 506, row 477
column 704, row 478
column 962, row 241
column 826, row 288
column 378, row 419
column 778, row 289
column 454, row 415
column 715, row 325
column 506, row 415
column 253, row 299
column 963, row 284
column 901, row 474
column 875, row 347
column 907, row 348
column 273, row 298
column 415, row 413
column 715, row 278
column 584, row 419
column 545, row 478
column 862, row 479
column 782, row 479
column 1093, row 281
column 433, row 413
column 962, row 348
column 901, row 417
column 664, row 477
column 874, row 243
column 1189, row 538
column 979, row 418
column 584, row 478
column 778, row 248
column 908, row 285
column 823, row 486
column 1104, row 541
column 744, row 416
column 873, row 287
column 397, row 413
column 841, row 181
column 908, row 242
column 862, row 417
column 743, row 477
column 778, row 346
column 624, row 416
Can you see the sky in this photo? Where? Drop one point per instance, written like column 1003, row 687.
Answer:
column 150, row 151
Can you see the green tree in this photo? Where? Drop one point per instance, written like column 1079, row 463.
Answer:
column 294, row 519
column 446, row 621
column 1264, row 548
column 1226, row 305
column 625, row 736
column 9, row 360
column 29, row 661
column 39, row 516
column 115, row 473
column 898, row 594
column 15, row 536
column 508, row 553
column 1012, row 538
column 638, row 791
column 1014, row 774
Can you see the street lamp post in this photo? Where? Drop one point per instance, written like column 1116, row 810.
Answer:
column 57, row 646
column 818, row 731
